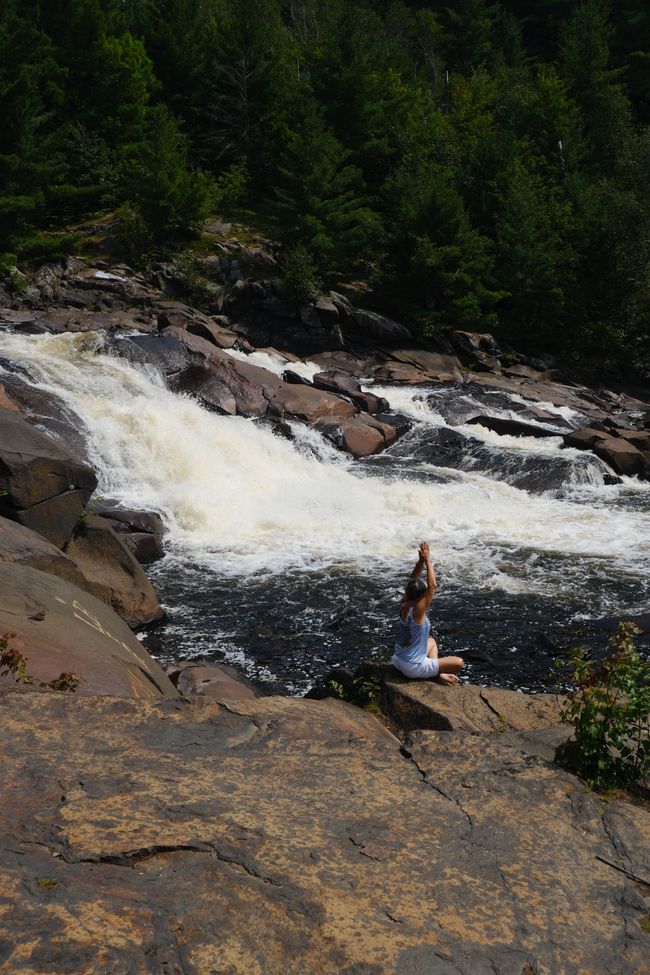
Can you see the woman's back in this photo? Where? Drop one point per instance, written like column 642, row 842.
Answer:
column 412, row 638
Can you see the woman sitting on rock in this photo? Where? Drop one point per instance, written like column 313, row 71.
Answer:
column 416, row 652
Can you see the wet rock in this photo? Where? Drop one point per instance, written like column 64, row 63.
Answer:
column 510, row 427
column 140, row 531
column 165, row 352
column 112, row 569
column 621, row 456
column 60, row 628
column 343, row 384
column 143, row 547
column 360, row 435
column 131, row 519
column 268, row 836
column 7, row 402
column 346, row 362
column 42, row 484
column 295, row 379
column 584, row 438
column 308, row 404
column 49, row 412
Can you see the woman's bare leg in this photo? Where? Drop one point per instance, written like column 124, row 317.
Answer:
column 432, row 651
column 448, row 667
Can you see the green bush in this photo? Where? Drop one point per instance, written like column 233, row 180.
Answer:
column 299, row 276
column 610, row 709
column 231, row 187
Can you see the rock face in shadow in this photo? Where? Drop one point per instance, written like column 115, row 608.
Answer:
column 286, row 837
column 21, row 546
column 60, row 628
column 42, row 485
column 114, row 572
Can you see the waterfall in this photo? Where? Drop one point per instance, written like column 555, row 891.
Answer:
column 238, row 499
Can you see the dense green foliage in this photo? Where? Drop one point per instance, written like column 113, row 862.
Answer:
column 481, row 163
column 610, row 709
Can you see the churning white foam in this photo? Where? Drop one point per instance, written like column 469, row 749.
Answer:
column 276, row 363
column 237, row 498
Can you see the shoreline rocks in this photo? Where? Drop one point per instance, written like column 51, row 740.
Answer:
column 58, row 627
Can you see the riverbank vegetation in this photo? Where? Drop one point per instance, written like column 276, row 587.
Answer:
column 479, row 164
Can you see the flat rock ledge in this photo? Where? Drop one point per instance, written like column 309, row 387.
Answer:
column 411, row 704
column 281, row 837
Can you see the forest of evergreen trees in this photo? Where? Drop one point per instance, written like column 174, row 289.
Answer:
column 481, row 164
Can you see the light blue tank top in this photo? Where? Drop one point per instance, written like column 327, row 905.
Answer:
column 412, row 638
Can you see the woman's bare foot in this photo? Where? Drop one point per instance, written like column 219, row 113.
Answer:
column 449, row 678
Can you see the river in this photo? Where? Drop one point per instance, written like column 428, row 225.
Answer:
column 286, row 557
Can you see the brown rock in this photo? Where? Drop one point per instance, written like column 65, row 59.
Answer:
column 54, row 518
column 21, row 546
column 431, row 704
column 218, row 683
column 34, row 467
column 144, row 547
column 308, row 404
column 584, row 438
column 112, row 569
column 622, row 456
column 343, row 384
column 341, row 362
column 401, row 373
column 360, row 435
column 290, row 837
column 60, row 628
column 42, row 484
column 6, row 401
column 444, row 368
column 229, row 384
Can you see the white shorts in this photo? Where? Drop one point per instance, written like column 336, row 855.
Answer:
column 429, row 667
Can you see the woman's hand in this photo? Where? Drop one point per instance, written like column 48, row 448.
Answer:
column 425, row 555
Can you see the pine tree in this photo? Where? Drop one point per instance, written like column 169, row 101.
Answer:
column 318, row 197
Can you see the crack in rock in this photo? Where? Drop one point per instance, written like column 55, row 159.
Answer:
column 423, row 776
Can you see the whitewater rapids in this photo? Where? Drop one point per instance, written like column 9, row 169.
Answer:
column 239, row 500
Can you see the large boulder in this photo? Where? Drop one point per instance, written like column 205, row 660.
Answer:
column 141, row 531
column 49, row 412
column 380, row 329
column 622, row 456
column 308, row 404
column 477, row 349
column 59, row 628
column 286, row 837
column 210, row 680
column 410, row 704
column 343, row 384
column 114, row 572
column 624, row 450
column 360, row 435
column 42, row 484
column 435, row 365
column 22, row 546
